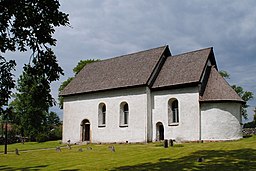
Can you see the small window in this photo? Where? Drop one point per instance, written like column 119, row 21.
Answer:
column 173, row 111
column 102, row 115
column 124, row 114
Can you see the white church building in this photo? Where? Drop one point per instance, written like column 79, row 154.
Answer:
column 150, row 96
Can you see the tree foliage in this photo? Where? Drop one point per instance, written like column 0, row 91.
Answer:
column 251, row 124
column 62, row 86
column 81, row 64
column 246, row 96
column 6, row 80
column 30, row 25
column 224, row 74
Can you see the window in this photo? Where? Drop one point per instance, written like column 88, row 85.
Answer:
column 173, row 111
column 102, row 115
column 124, row 114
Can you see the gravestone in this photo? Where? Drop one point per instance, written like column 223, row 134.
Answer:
column 112, row 148
column 200, row 159
column 166, row 144
column 69, row 146
column 17, row 152
column 171, row 142
column 58, row 149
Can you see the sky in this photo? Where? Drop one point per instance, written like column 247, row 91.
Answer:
column 101, row 29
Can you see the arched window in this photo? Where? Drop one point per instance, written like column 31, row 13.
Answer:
column 124, row 114
column 102, row 115
column 173, row 111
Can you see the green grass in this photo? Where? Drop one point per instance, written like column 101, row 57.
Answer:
column 236, row 155
column 31, row 146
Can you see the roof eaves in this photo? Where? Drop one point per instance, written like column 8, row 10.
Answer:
column 181, row 85
column 221, row 100
column 103, row 90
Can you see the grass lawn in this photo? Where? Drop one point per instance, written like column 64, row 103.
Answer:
column 236, row 155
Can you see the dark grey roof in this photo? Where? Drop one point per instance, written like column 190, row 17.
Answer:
column 123, row 71
column 182, row 69
column 217, row 89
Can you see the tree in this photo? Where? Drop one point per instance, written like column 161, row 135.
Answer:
column 6, row 84
column 224, row 74
column 245, row 95
column 62, row 86
column 81, row 64
column 6, row 81
column 27, row 24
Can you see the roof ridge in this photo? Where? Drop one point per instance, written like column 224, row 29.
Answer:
column 133, row 53
column 132, row 69
column 192, row 51
column 121, row 56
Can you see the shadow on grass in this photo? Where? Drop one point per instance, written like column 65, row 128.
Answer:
column 7, row 168
column 243, row 159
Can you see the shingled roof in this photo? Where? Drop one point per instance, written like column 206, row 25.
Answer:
column 183, row 69
column 157, row 69
column 217, row 89
column 124, row 71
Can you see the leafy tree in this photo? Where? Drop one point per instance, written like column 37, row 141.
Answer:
column 30, row 24
column 62, row 86
column 6, row 85
column 251, row 124
column 81, row 64
column 245, row 95
column 224, row 74
column 6, row 81
column 26, row 23
column 52, row 121
column 31, row 104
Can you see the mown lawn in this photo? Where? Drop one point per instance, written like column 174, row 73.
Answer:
column 236, row 155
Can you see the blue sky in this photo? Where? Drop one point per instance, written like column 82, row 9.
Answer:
column 103, row 29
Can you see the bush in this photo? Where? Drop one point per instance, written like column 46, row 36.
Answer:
column 56, row 133
column 11, row 138
column 42, row 137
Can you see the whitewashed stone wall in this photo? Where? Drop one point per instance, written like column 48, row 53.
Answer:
column 78, row 108
column 188, row 127
column 221, row 121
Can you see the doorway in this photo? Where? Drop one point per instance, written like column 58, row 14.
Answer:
column 159, row 131
column 85, row 130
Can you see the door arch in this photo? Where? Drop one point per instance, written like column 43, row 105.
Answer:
column 85, row 130
column 159, row 131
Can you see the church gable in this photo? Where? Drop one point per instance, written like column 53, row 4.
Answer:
column 183, row 69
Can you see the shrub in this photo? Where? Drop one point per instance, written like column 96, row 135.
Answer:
column 42, row 137
column 56, row 133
